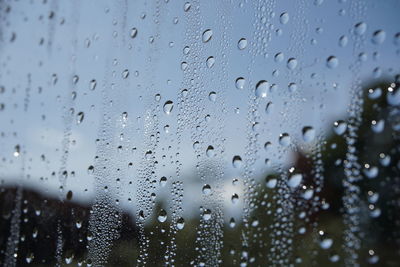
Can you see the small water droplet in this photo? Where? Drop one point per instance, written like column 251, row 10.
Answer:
column 212, row 96
column 180, row 223
column 207, row 214
column 206, row 189
column 79, row 117
column 360, row 28
column 210, row 151
column 378, row 37
column 292, row 63
column 235, row 198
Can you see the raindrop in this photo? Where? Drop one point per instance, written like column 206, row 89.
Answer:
column 237, row 162
column 79, row 117
column 308, row 134
column 271, row 182
column 162, row 216
column 262, row 88
column 210, row 62
column 339, row 127
column 295, row 180
column 240, row 83
column 134, row 32
column 168, row 106
column 332, row 62
column 210, row 151
column 360, row 28
column 374, row 93
column 370, row 171
column 343, row 40
column 377, row 126
column 186, row 6
column 17, row 151
column 92, row 84
column 279, row 57
column 292, row 63
column 284, row 139
column 207, row 35
column 212, row 96
column 163, row 181
column 180, row 223
column 235, row 198
column 393, row 95
column 125, row 74
column 284, row 18
column 206, row 214
column 242, row 44
column 378, row 37
column 206, row 189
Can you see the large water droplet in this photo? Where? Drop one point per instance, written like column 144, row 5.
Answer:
column 206, row 189
column 210, row 62
column 284, row 139
column 162, row 216
column 379, row 37
column 332, row 62
column 207, row 35
column 168, row 106
column 262, row 88
column 308, row 134
column 360, row 28
column 237, row 162
column 292, row 63
column 240, row 83
column 339, row 127
column 242, row 44
column 284, row 18
column 295, row 180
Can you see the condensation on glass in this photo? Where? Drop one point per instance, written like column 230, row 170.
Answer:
column 200, row 133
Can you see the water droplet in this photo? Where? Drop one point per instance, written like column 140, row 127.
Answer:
column 292, row 63
column 206, row 189
column 360, row 28
column 240, row 83
column 212, row 96
column 207, row 214
column 370, row 171
column 210, row 62
column 180, row 223
column 79, row 117
column 279, row 57
column 163, row 181
column 271, row 182
column 168, row 106
column 332, row 62
column 186, row 6
column 210, row 151
column 378, row 37
column 393, row 95
column 377, row 126
column 134, row 32
column 284, row 18
column 90, row 169
column 308, row 134
column 207, row 35
column 295, row 180
column 17, row 151
column 374, row 93
column 292, row 87
column 339, row 127
column 92, row 84
column 235, row 198
column 325, row 241
column 237, row 162
column 284, row 139
column 343, row 40
column 262, row 88
column 242, row 44
column 162, row 216
column 125, row 74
